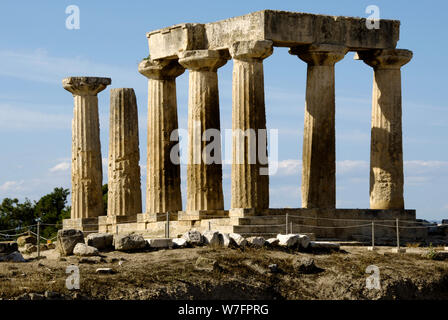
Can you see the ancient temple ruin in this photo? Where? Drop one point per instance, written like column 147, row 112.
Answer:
column 318, row 40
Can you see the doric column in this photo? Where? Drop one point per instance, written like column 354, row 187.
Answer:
column 386, row 150
column 163, row 192
column 124, row 195
column 87, row 173
column 250, row 178
column 319, row 146
column 204, row 169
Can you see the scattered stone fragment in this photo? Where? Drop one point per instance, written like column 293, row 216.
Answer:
column 323, row 245
column 273, row 242
column 239, row 239
column 213, row 238
column 304, row 241
column 179, row 243
column 273, row 268
column 193, row 237
column 101, row 241
column 12, row 257
column 68, row 239
column 288, row 240
column 83, row 250
column 160, row 243
column 228, row 242
column 105, row 271
column 257, row 242
column 205, row 264
column 305, row 266
column 28, row 239
column 131, row 242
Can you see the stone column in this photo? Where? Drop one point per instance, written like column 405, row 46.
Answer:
column 319, row 146
column 163, row 192
column 204, row 173
column 87, row 173
column 386, row 150
column 124, row 196
column 250, row 178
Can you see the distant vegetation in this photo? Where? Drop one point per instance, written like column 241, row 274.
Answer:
column 51, row 209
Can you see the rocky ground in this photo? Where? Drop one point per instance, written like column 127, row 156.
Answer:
column 219, row 273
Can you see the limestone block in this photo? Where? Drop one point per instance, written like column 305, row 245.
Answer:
column 180, row 243
column 131, row 242
column 213, row 238
column 273, row 242
column 288, row 240
column 228, row 242
column 324, row 245
column 257, row 242
column 193, row 237
column 67, row 240
column 239, row 239
column 160, row 243
column 15, row 256
column 21, row 241
column 84, row 250
column 100, row 241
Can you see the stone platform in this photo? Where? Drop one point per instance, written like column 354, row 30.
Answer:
column 325, row 224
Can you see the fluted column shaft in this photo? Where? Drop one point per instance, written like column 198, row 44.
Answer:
column 319, row 145
column 204, row 175
column 250, row 171
column 87, row 174
column 124, row 195
column 386, row 150
column 163, row 193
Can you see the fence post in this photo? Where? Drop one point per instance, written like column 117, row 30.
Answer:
column 167, row 233
column 287, row 220
column 373, row 235
column 398, row 235
column 290, row 227
column 209, row 226
column 38, row 238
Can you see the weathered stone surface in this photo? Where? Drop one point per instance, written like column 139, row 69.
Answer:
column 160, row 243
column 124, row 193
column 131, row 242
column 204, row 168
column 256, row 241
column 7, row 247
column 87, row 174
column 239, row 239
column 273, row 242
column 324, row 245
column 386, row 151
column 84, row 250
column 288, row 240
column 227, row 241
column 250, row 172
column 179, row 243
column 205, row 264
column 21, row 241
column 319, row 145
column 304, row 241
column 67, row 240
column 213, row 238
column 163, row 174
column 100, row 241
column 193, row 237
column 305, row 266
column 285, row 29
column 15, row 256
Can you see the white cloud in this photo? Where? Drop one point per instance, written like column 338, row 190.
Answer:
column 62, row 166
column 9, row 186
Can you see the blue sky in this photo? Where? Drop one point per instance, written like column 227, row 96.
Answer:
column 37, row 51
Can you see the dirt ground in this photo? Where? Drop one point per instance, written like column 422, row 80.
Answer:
column 171, row 274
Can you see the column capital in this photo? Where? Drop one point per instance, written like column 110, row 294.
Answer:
column 385, row 58
column 320, row 54
column 85, row 86
column 203, row 60
column 251, row 50
column 163, row 69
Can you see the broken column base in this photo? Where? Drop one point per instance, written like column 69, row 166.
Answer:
column 86, row 225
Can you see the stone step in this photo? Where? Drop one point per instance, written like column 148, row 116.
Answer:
column 259, row 229
column 274, row 220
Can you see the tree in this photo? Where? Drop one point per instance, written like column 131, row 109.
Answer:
column 105, row 191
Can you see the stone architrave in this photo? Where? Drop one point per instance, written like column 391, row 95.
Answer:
column 163, row 192
column 124, row 194
column 386, row 149
column 250, row 171
column 319, row 145
column 87, row 173
column 204, row 175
